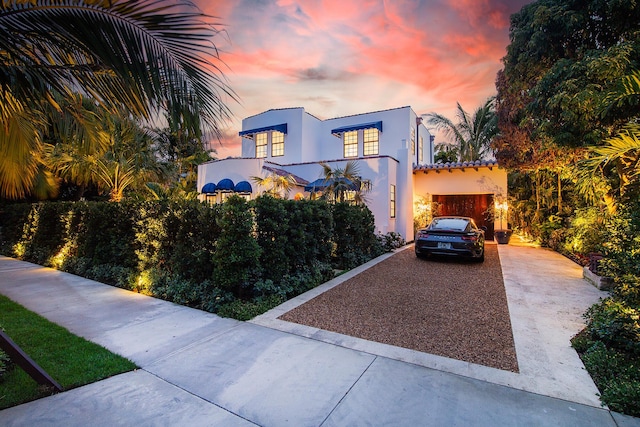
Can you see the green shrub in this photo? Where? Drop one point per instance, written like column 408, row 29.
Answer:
column 310, row 240
column 107, row 234
column 621, row 249
column 586, row 233
column 604, row 364
column 196, row 254
column 617, row 376
column 545, row 231
column 178, row 237
column 615, row 324
column 236, row 258
column 213, row 298
column 114, row 275
column 582, row 341
column 623, row 396
column 175, row 289
column 247, row 310
column 627, row 289
column 272, row 235
column 354, row 236
column 13, row 218
column 390, row 241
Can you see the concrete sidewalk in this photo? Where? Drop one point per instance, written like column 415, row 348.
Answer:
column 199, row 369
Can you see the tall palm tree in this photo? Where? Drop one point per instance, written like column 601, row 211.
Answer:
column 472, row 135
column 143, row 56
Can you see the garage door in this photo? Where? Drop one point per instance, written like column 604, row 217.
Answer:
column 472, row 205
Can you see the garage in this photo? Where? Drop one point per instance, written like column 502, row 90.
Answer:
column 475, row 206
column 465, row 188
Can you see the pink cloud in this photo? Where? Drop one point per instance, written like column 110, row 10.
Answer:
column 337, row 57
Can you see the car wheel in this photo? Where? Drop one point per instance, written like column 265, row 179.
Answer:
column 481, row 257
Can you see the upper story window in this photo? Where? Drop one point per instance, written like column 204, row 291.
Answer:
column 413, row 141
column 277, row 144
column 421, row 150
column 351, row 143
column 261, row 144
column 263, row 137
column 365, row 134
column 371, row 142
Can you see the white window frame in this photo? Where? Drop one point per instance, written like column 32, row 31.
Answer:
column 350, row 143
column 392, row 201
column 277, row 144
column 371, row 142
column 413, row 141
column 261, row 148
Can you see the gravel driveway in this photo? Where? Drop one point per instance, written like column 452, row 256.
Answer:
column 450, row 308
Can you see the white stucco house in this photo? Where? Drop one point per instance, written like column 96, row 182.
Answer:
column 394, row 153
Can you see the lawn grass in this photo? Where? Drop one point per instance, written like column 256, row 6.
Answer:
column 70, row 360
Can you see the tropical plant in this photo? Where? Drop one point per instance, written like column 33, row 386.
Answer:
column 564, row 59
column 446, row 153
column 472, row 135
column 143, row 56
column 344, row 184
column 611, row 172
column 276, row 184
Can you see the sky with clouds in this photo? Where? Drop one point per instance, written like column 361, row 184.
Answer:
column 344, row 57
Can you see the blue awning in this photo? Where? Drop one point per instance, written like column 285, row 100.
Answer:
column 225, row 185
column 209, row 188
column 321, row 184
column 249, row 133
column 243, row 187
column 373, row 125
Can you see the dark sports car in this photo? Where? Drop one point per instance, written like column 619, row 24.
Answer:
column 451, row 235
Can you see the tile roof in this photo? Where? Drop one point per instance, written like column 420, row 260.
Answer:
column 456, row 165
column 282, row 172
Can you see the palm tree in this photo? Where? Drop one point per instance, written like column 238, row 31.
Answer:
column 143, row 56
column 130, row 162
column 472, row 135
column 277, row 185
column 340, row 182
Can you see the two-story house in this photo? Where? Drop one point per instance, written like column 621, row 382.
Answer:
column 393, row 150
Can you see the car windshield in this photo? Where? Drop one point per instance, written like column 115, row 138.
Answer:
column 456, row 224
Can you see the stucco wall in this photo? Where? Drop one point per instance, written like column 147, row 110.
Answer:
column 461, row 181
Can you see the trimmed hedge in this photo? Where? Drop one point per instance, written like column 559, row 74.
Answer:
column 235, row 258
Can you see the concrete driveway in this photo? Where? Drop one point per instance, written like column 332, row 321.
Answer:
column 199, row 369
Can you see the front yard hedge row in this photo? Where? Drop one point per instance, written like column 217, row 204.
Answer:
column 238, row 258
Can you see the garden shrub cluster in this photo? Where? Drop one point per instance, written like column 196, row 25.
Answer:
column 610, row 343
column 238, row 259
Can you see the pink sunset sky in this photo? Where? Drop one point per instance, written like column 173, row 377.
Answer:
column 342, row 57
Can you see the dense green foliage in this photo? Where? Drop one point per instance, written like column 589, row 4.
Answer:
column 70, row 360
column 568, row 114
column 140, row 57
column 238, row 258
column 565, row 59
column 354, row 236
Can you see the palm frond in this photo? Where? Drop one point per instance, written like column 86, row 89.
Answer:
column 20, row 159
column 146, row 55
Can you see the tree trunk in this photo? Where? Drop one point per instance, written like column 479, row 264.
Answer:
column 559, row 193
